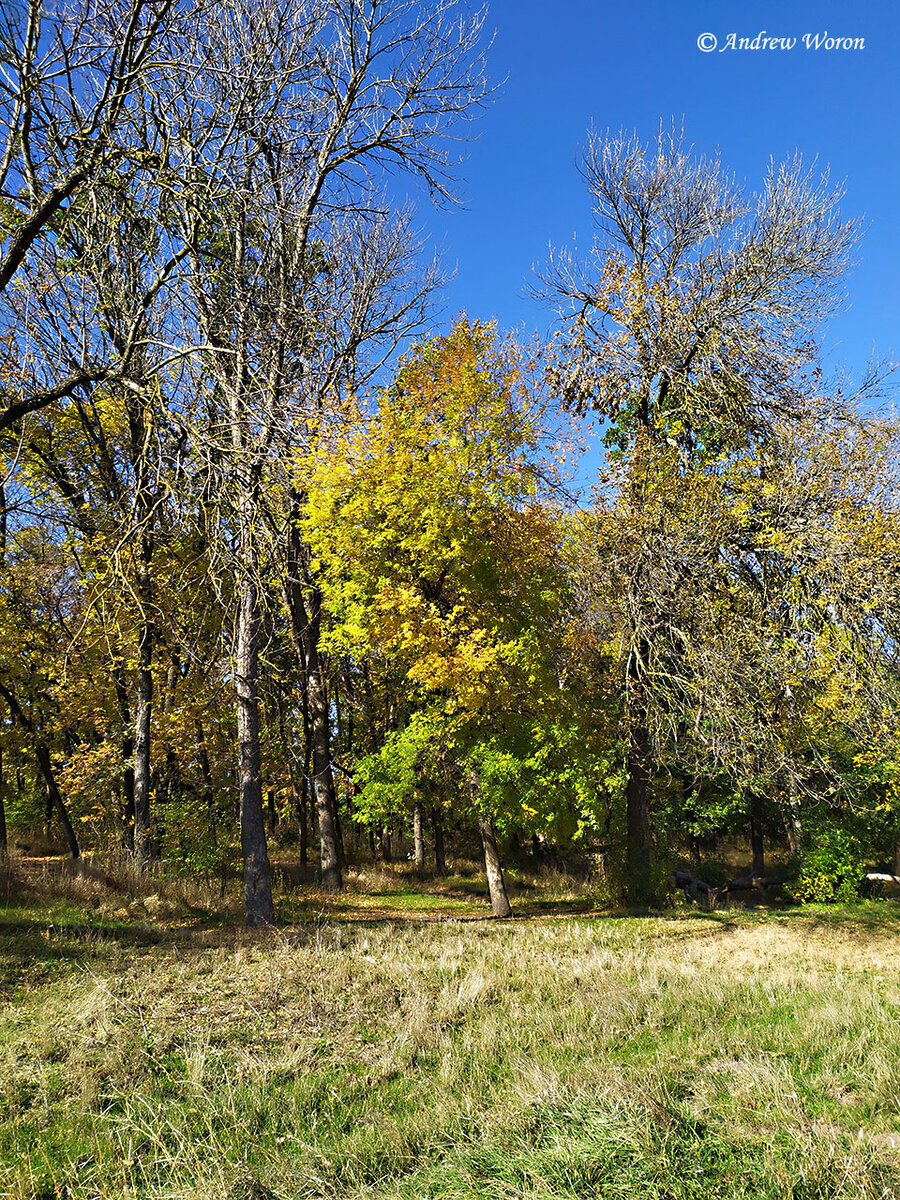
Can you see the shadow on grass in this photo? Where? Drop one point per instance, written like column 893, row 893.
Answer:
column 863, row 916
column 32, row 952
column 37, row 938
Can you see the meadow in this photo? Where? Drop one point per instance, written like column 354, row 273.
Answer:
column 395, row 1042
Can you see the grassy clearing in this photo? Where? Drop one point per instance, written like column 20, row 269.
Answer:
column 388, row 1044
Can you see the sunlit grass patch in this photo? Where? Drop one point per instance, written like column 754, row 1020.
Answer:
column 679, row 1055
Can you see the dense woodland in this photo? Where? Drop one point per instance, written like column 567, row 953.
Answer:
column 281, row 565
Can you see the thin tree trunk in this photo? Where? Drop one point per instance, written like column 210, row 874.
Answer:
column 338, row 834
column 795, row 821
column 127, row 745
column 385, row 843
column 694, row 849
column 637, row 816
column 42, row 754
column 323, row 780
column 168, row 775
column 48, row 814
column 4, row 844
column 756, row 836
column 142, row 721
column 209, row 794
column 258, row 903
column 437, row 825
column 305, row 632
column 54, row 796
column 419, row 835
column 303, row 821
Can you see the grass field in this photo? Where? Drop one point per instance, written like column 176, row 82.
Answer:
column 394, row 1043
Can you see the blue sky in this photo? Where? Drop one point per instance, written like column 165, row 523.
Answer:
column 630, row 65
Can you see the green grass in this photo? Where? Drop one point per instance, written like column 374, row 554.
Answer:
column 391, row 1046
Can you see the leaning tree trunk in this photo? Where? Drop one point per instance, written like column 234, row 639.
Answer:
column 419, row 835
column 500, row 905
column 259, row 907
column 54, row 796
column 42, row 754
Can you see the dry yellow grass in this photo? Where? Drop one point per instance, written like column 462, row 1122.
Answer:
column 458, row 1058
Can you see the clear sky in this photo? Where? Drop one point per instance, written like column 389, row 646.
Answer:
column 581, row 62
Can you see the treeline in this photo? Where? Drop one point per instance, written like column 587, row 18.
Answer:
column 256, row 581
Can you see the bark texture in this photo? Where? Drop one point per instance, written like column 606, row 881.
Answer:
column 142, row 774
column 419, row 835
column 4, row 845
column 260, row 909
column 500, row 905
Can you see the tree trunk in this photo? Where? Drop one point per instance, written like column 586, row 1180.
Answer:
column 4, row 845
column 338, row 833
column 303, row 823
column 385, row 843
column 142, row 722
column 42, row 754
column 500, row 905
column 437, row 825
column 694, row 849
column 258, row 903
column 323, row 780
column 127, row 745
column 419, row 835
column 305, row 632
column 637, row 815
column 492, row 869
column 795, row 821
column 209, row 794
column 54, row 797
column 756, row 836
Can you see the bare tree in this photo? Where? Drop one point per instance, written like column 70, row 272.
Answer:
column 301, row 284
column 72, row 117
column 691, row 327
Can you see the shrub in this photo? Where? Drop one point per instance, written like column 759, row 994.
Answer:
column 831, row 870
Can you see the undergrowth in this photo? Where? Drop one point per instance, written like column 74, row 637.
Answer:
column 391, row 1045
